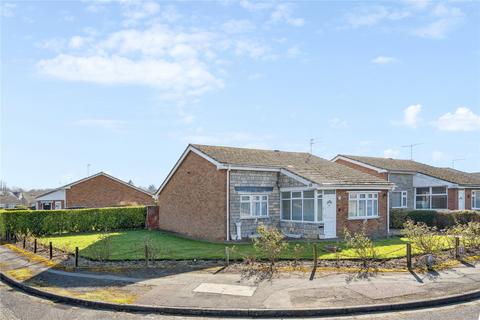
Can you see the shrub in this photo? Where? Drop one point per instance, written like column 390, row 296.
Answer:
column 423, row 237
column 439, row 219
column 47, row 222
column 270, row 244
column 361, row 245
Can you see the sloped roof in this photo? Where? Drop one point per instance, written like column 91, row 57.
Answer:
column 91, row 177
column 303, row 164
column 7, row 197
column 447, row 174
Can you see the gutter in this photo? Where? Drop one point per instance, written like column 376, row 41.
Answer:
column 388, row 206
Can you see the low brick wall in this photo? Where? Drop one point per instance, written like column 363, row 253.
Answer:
column 153, row 218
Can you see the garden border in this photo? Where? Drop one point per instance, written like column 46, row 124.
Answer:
column 236, row 313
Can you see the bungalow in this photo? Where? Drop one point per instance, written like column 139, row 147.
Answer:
column 224, row 193
column 420, row 186
column 96, row 191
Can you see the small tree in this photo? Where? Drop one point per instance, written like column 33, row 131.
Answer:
column 102, row 249
column 361, row 245
column 422, row 237
column 270, row 244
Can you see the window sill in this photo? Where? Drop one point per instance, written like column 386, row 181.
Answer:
column 363, row 218
column 254, row 218
column 398, row 207
column 299, row 221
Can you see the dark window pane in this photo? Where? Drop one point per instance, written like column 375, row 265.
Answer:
column 396, row 199
column 308, row 194
column 439, row 190
column 423, row 190
column 296, row 209
column 308, row 210
column 285, row 195
column 423, row 202
column 439, row 202
column 286, row 209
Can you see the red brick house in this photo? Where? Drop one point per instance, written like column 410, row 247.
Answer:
column 96, row 191
column 223, row 193
column 420, row 186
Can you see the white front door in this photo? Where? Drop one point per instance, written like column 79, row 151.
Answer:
column 329, row 214
column 461, row 199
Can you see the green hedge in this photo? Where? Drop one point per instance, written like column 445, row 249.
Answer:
column 47, row 222
column 432, row 218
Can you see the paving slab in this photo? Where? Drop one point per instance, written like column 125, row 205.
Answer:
column 221, row 288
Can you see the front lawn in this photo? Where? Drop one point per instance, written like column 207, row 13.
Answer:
column 128, row 245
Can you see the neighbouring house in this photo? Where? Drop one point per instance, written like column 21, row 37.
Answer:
column 8, row 200
column 96, row 191
column 418, row 185
column 224, row 193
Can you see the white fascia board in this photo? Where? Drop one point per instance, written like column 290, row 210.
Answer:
column 295, row 176
column 379, row 170
column 357, row 187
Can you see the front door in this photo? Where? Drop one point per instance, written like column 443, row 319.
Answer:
column 329, row 214
column 461, row 199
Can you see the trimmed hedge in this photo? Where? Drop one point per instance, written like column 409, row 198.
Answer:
column 432, row 218
column 48, row 222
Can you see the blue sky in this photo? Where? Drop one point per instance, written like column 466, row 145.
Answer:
column 125, row 86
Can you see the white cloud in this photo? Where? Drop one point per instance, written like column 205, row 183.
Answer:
column 7, row 10
column 284, row 13
column 368, row 17
column 411, row 116
column 76, row 42
column 254, row 50
column 254, row 6
column 137, row 10
column 108, row 124
column 337, row 123
column 463, row 119
column 439, row 156
column 294, row 51
column 418, row 4
column 446, row 19
column 384, row 60
column 238, row 26
column 256, row 76
column 391, row 153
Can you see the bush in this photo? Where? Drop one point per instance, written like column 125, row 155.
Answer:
column 47, row 222
column 361, row 245
column 424, row 238
column 270, row 244
column 438, row 219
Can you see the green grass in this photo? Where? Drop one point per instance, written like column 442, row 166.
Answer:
column 128, row 245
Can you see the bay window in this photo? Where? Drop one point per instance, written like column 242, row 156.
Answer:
column 431, row 198
column 300, row 206
column 253, row 206
column 362, row 205
column 398, row 199
column 476, row 199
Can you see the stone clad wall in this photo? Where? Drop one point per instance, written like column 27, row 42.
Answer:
column 253, row 179
column 404, row 182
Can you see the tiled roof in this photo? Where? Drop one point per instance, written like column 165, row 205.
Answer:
column 7, row 197
column 447, row 174
column 305, row 165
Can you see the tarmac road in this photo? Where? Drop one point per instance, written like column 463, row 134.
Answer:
column 16, row 305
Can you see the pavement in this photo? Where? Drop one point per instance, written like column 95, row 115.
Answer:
column 15, row 305
column 209, row 288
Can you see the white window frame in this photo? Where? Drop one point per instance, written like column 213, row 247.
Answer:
column 252, row 202
column 429, row 195
column 475, row 195
column 403, row 199
column 356, row 196
column 317, row 195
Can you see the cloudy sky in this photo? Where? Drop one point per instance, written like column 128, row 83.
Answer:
column 124, row 86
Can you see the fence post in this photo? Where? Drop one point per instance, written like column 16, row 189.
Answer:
column 227, row 256
column 457, row 248
column 315, row 261
column 76, row 257
column 146, row 255
column 409, row 256
column 35, row 245
column 24, row 242
column 50, row 247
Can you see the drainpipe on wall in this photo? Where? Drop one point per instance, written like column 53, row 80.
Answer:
column 228, row 203
column 388, row 207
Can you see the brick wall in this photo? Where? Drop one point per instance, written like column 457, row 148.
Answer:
column 383, row 175
column 102, row 191
column 468, row 199
column 452, row 199
column 194, row 200
column 375, row 227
